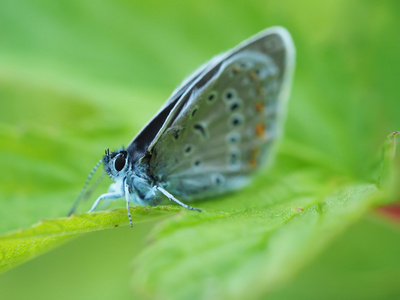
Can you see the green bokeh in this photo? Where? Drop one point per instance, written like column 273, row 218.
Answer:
column 79, row 76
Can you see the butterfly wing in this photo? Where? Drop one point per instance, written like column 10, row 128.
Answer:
column 224, row 125
column 141, row 142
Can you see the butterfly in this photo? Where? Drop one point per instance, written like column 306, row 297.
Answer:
column 215, row 130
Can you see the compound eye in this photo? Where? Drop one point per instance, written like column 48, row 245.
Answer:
column 119, row 163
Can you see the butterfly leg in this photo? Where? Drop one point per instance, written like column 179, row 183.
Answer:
column 127, row 195
column 171, row 197
column 105, row 196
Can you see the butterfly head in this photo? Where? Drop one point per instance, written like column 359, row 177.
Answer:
column 116, row 163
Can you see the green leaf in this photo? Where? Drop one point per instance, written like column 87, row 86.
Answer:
column 254, row 244
column 387, row 179
column 20, row 246
column 247, row 252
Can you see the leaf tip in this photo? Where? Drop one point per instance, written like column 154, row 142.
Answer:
column 387, row 176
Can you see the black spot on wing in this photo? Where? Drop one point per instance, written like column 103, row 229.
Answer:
column 200, row 129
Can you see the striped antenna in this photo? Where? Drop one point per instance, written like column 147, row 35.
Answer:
column 93, row 187
column 83, row 191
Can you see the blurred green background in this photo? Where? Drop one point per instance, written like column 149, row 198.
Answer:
column 79, row 76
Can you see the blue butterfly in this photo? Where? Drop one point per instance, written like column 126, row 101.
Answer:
column 216, row 129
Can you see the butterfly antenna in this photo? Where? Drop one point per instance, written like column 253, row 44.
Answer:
column 89, row 191
column 73, row 208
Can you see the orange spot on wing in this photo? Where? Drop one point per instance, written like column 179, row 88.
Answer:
column 259, row 107
column 235, row 70
column 253, row 157
column 253, row 76
column 260, row 129
column 252, row 163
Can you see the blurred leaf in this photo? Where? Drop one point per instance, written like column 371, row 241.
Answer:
column 359, row 264
column 17, row 247
column 247, row 252
column 387, row 177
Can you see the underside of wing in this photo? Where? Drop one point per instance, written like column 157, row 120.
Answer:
column 274, row 41
column 140, row 144
column 224, row 127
